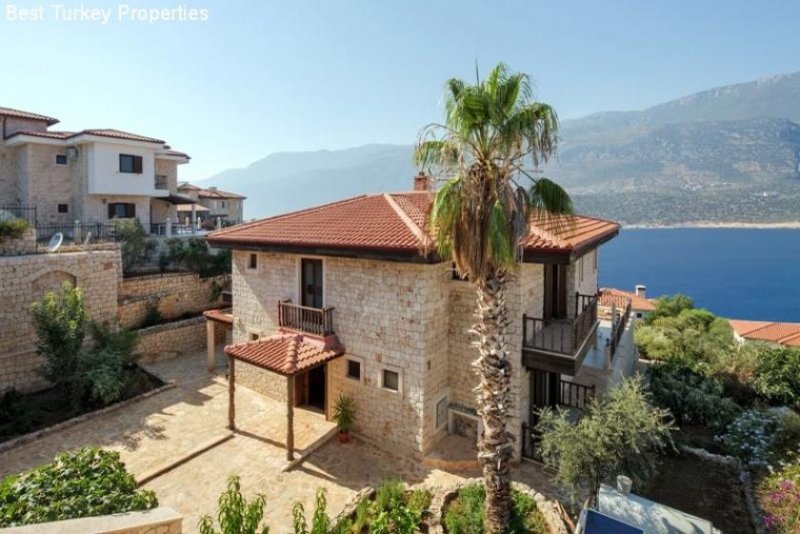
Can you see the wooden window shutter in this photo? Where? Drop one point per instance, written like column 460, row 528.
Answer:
column 137, row 164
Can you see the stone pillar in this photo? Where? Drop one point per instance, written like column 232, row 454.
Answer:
column 219, row 223
column 77, row 232
column 194, row 218
column 168, row 230
column 211, row 344
column 231, row 393
column 290, row 418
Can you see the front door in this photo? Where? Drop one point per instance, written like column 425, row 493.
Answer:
column 555, row 292
column 310, row 388
column 311, row 283
column 544, row 393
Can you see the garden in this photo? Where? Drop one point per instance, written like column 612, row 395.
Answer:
column 90, row 366
column 730, row 399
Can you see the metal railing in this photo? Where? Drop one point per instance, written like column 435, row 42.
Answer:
column 561, row 336
column 12, row 211
column 618, row 323
column 160, row 229
column 318, row 321
column 574, row 395
column 77, row 233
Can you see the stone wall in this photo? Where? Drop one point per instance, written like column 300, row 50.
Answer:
column 261, row 381
column 16, row 247
column 173, row 294
column 162, row 520
column 25, row 280
column 168, row 340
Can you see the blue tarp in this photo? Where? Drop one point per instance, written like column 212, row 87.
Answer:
column 597, row 523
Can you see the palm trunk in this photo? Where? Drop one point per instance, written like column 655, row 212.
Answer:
column 494, row 370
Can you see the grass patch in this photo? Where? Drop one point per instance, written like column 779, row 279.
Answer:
column 464, row 514
column 393, row 509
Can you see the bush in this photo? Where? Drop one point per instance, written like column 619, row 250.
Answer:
column 691, row 397
column 393, row 510
column 762, row 436
column 15, row 410
column 465, row 514
column 320, row 522
column 13, row 229
column 780, row 499
column 133, row 237
column 618, row 434
column 195, row 255
column 151, row 315
column 778, row 376
column 236, row 515
column 86, row 482
column 89, row 375
column 670, row 307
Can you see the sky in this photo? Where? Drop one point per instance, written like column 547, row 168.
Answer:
column 261, row 77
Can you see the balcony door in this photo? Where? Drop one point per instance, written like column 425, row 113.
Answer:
column 311, row 277
column 555, row 291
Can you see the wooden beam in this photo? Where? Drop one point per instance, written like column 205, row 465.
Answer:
column 290, row 418
column 231, row 393
column 211, row 345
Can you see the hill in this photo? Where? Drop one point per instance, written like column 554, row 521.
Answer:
column 729, row 154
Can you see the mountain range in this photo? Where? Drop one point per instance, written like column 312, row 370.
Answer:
column 725, row 155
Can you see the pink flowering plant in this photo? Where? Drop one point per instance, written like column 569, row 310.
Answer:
column 780, row 499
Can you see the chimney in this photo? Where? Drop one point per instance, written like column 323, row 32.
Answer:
column 641, row 291
column 422, row 182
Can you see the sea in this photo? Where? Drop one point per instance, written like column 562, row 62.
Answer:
column 739, row 273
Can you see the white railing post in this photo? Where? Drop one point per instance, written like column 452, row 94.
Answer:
column 77, row 232
column 168, row 231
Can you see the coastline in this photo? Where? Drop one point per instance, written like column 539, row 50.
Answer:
column 789, row 225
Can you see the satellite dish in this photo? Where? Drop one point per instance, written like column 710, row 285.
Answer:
column 55, row 242
column 87, row 238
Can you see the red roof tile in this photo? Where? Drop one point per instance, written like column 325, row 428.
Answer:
column 9, row 112
column 393, row 223
column 782, row 333
column 286, row 354
column 106, row 132
column 619, row 298
column 217, row 193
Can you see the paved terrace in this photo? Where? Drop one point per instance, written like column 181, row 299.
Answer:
column 161, row 429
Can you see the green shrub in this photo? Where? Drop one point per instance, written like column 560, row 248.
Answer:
column 236, row 515
column 780, row 495
column 690, row 396
column 16, row 411
column 320, row 522
column 86, row 482
column 618, row 433
column 151, row 315
column 464, row 515
column 778, row 376
column 13, row 229
column 393, row 510
column 135, row 247
column 762, row 436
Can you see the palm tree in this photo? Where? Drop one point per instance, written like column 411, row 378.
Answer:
column 492, row 130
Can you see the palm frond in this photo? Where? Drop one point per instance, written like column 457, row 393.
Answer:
column 444, row 215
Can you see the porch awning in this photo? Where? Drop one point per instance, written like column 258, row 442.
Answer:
column 188, row 208
column 174, row 198
column 287, row 354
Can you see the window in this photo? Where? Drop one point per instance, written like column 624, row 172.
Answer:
column 121, row 210
column 353, row 369
column 311, row 283
column 390, row 380
column 252, row 261
column 61, row 159
column 130, row 164
column 224, row 204
column 63, row 208
column 254, row 336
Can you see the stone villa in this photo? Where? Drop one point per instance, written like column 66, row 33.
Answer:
column 340, row 298
column 92, row 176
column 211, row 203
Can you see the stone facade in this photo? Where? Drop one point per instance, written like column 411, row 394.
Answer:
column 260, row 380
column 410, row 318
column 173, row 294
column 168, row 340
column 161, row 520
column 16, row 247
column 25, row 280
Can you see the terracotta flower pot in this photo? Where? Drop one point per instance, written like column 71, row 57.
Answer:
column 344, row 437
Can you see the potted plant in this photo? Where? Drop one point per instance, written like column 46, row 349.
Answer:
column 344, row 413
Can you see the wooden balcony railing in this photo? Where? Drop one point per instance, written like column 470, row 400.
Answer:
column 311, row 320
column 562, row 336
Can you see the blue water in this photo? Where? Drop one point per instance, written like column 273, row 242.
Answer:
column 736, row 273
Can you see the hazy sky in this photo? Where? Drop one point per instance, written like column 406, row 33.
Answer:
column 261, row 77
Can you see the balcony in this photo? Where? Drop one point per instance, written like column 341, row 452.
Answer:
column 316, row 321
column 160, row 182
column 559, row 345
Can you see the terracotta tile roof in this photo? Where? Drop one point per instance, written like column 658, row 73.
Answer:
column 286, row 354
column 173, row 153
column 187, row 185
column 188, row 207
column 104, row 132
column 392, row 223
column 9, row 112
column 619, row 298
column 217, row 193
column 220, row 316
column 787, row 334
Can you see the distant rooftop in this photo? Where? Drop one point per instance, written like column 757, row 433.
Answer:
column 610, row 296
column 10, row 112
column 787, row 334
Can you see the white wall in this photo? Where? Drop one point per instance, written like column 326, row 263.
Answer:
column 104, row 175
